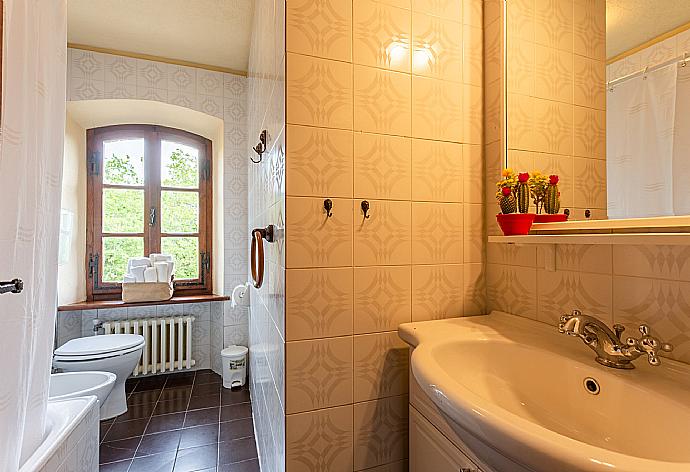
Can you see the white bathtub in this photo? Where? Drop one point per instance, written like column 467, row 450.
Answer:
column 71, row 440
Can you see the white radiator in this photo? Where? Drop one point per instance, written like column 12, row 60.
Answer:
column 168, row 342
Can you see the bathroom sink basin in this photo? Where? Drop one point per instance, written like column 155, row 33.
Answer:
column 539, row 399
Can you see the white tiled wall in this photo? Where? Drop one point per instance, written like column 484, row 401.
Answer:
column 94, row 76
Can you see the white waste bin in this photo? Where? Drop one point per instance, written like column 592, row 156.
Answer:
column 234, row 366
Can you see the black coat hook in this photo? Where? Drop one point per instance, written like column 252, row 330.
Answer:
column 365, row 209
column 328, row 206
column 260, row 148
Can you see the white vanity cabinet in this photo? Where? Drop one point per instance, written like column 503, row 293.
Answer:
column 431, row 450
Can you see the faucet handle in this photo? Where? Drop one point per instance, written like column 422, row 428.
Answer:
column 650, row 345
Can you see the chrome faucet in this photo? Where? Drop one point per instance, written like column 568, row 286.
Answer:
column 611, row 350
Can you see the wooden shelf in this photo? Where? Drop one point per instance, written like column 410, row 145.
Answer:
column 664, row 239
column 102, row 304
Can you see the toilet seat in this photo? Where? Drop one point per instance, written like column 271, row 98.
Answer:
column 98, row 347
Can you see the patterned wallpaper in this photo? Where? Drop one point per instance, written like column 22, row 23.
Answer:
column 266, row 110
column 384, row 104
column 95, row 76
column 620, row 284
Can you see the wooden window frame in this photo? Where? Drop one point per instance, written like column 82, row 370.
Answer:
column 96, row 289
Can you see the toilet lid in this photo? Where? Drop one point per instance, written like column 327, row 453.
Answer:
column 96, row 345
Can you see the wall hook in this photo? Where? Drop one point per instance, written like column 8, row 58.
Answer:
column 260, row 148
column 328, row 206
column 365, row 209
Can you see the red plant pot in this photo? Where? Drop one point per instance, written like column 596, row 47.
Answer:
column 559, row 217
column 515, row 223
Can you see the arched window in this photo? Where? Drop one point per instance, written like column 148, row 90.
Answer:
column 149, row 191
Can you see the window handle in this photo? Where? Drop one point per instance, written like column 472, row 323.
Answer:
column 152, row 216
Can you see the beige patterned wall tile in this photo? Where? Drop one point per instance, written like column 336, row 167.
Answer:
column 516, row 255
column 520, row 20
column 512, row 289
column 382, row 101
column 521, row 122
column 563, row 167
column 589, row 24
column 318, row 374
column 437, row 171
column 589, row 133
column 319, row 92
column 320, row 440
column 521, row 67
column 382, row 166
column 493, row 52
column 493, row 11
column 313, row 239
column 553, row 127
column 562, row 291
column 581, row 258
column 380, row 366
column 590, row 82
column 398, row 466
column 493, row 112
column 320, row 28
column 473, row 114
column 474, row 282
column 381, row 35
column 553, row 74
column 473, row 233
column 319, row 303
column 472, row 13
column 451, row 9
column 662, row 304
column 659, row 262
column 437, row 109
column 380, row 431
column 383, row 297
column 385, row 238
column 590, row 174
column 437, row 230
column 553, row 24
column 660, row 52
column 473, row 54
column 438, row 46
column 320, row 162
column 437, row 292
column 473, row 173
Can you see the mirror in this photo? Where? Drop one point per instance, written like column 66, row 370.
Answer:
column 594, row 93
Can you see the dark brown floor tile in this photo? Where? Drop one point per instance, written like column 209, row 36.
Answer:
column 196, row 458
column 235, row 412
column 135, row 412
column 120, row 466
column 202, row 417
column 252, row 465
column 161, row 423
column 155, row 463
column 155, row 382
column 206, row 401
column 205, row 390
column 104, row 427
column 176, row 393
column 209, row 377
column 112, row 451
column 236, row 429
column 176, row 380
column 210, row 469
column 230, row 397
column 236, row 451
column 126, row 429
column 140, row 398
column 159, row 442
column 170, row 406
column 199, row 436
column 130, row 385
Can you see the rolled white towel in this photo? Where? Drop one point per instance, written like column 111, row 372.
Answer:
column 171, row 270
column 128, row 279
column 161, row 258
column 138, row 273
column 161, row 271
column 150, row 275
column 138, row 262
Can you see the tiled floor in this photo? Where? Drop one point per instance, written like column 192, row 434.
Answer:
column 181, row 422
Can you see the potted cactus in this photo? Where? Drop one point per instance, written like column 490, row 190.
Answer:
column 513, row 195
column 546, row 198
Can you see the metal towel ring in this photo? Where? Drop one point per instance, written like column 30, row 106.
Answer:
column 257, row 253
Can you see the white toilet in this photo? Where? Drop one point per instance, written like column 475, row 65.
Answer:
column 115, row 353
column 81, row 384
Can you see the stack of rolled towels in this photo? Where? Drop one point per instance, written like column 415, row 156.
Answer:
column 155, row 268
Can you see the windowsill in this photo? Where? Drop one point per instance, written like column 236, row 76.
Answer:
column 102, row 304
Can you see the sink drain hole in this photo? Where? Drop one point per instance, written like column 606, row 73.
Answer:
column 592, row 386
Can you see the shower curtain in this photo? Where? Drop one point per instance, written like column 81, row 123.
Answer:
column 648, row 145
column 31, row 148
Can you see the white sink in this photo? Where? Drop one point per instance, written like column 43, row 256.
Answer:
column 517, row 386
